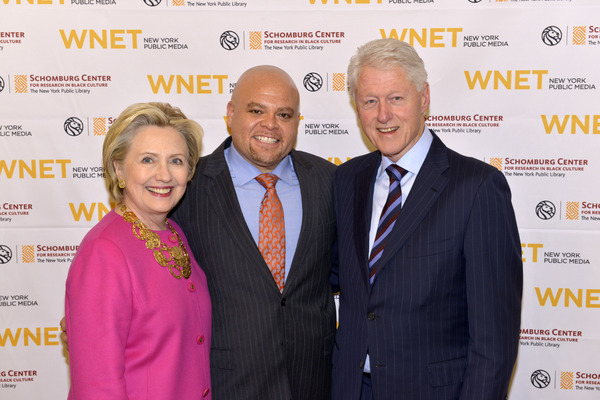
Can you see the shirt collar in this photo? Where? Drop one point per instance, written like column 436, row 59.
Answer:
column 414, row 158
column 242, row 171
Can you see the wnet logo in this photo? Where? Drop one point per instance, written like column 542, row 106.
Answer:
column 521, row 79
column 572, row 124
column 192, row 84
column 567, row 297
column 535, row 251
column 85, row 212
column 42, row 169
column 425, row 37
column 104, row 38
column 46, row 336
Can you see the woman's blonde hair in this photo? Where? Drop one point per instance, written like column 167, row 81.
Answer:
column 121, row 133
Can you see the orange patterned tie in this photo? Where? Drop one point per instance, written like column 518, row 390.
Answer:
column 271, row 237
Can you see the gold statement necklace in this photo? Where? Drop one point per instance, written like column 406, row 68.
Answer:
column 180, row 265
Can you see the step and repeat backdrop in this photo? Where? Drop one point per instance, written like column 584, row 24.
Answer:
column 514, row 83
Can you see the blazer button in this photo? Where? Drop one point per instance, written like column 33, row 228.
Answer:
column 206, row 392
column 283, row 301
column 200, row 339
column 371, row 316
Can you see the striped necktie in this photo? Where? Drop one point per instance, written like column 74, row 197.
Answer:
column 389, row 214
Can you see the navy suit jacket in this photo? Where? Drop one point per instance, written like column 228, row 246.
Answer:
column 441, row 319
column 265, row 344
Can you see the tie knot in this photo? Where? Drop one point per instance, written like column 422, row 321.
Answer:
column 395, row 172
column 268, row 181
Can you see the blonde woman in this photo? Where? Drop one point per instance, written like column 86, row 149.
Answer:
column 138, row 312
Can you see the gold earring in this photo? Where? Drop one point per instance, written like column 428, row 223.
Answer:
column 122, row 183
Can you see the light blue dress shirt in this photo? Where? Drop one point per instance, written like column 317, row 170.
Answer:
column 250, row 194
column 412, row 162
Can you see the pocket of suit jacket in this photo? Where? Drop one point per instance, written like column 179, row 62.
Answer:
column 447, row 372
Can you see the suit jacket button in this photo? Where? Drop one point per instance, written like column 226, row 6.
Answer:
column 371, row 316
column 283, row 301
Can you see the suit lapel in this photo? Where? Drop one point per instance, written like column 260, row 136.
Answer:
column 307, row 181
column 224, row 201
column 429, row 185
column 363, row 206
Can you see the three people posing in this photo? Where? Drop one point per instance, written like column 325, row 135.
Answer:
column 430, row 300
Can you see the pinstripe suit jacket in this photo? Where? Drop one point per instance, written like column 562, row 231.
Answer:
column 441, row 319
column 265, row 344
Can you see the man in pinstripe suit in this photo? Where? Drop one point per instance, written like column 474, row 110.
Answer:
column 266, row 344
column 439, row 317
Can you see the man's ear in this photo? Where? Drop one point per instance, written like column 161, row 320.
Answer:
column 229, row 114
column 425, row 98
